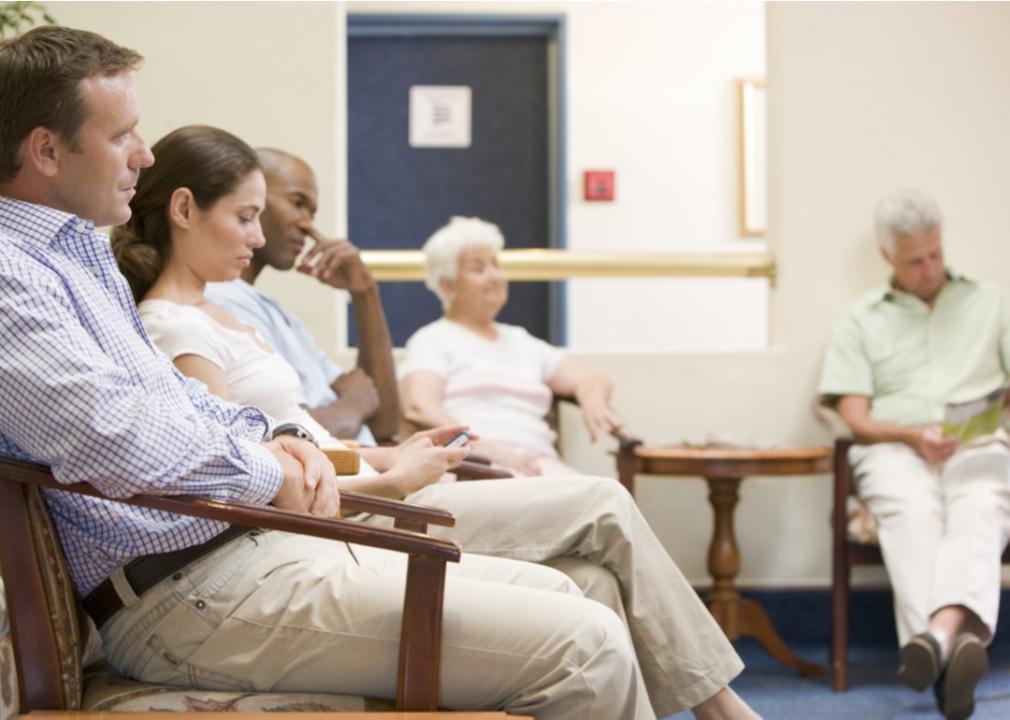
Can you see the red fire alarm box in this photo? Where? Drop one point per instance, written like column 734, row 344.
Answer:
column 598, row 185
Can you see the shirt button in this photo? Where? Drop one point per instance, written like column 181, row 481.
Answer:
column 81, row 226
column 200, row 604
column 177, row 576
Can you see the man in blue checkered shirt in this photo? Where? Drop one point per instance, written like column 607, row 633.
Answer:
column 83, row 390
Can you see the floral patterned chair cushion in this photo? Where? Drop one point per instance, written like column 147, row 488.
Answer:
column 107, row 692
column 8, row 673
column 861, row 526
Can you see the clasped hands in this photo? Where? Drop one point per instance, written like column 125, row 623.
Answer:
column 933, row 446
column 310, row 483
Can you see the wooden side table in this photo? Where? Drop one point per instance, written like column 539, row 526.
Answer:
column 724, row 469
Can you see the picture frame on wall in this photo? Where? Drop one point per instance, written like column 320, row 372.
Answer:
column 753, row 127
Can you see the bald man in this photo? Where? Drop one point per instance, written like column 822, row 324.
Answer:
column 362, row 403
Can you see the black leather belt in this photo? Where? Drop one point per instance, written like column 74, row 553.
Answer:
column 145, row 572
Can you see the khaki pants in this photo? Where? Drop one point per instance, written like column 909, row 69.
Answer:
column 942, row 528
column 280, row 612
column 591, row 529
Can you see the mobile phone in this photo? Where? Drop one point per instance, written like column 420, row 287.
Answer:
column 457, row 440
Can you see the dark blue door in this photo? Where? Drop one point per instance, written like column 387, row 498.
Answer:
column 399, row 195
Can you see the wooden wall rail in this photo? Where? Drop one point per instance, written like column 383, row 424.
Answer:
column 544, row 264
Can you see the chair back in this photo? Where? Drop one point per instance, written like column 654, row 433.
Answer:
column 41, row 601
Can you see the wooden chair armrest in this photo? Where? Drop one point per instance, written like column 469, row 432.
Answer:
column 625, row 441
column 407, row 515
column 478, row 458
column 345, row 460
column 266, row 517
column 470, row 470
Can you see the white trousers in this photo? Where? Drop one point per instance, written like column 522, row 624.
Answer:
column 942, row 528
column 278, row 612
column 591, row 529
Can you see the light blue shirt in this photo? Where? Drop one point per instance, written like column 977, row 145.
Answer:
column 83, row 390
column 289, row 336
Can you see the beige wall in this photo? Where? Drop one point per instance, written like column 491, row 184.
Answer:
column 864, row 98
column 650, row 93
column 267, row 72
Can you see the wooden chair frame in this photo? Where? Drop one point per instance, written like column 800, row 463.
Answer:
column 35, row 647
column 845, row 555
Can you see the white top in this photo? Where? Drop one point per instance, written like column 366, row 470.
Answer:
column 254, row 375
column 497, row 387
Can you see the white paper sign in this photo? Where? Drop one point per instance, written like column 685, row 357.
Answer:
column 439, row 116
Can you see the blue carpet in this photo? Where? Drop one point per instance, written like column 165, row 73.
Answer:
column 778, row 693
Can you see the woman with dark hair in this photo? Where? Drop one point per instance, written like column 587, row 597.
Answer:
column 195, row 220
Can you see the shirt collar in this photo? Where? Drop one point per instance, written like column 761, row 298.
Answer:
column 254, row 291
column 890, row 293
column 38, row 223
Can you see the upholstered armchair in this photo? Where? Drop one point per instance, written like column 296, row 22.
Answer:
column 43, row 642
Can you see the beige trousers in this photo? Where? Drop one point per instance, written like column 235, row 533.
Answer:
column 591, row 529
column 942, row 528
column 280, row 612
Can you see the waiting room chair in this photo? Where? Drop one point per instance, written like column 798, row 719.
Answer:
column 48, row 627
column 853, row 542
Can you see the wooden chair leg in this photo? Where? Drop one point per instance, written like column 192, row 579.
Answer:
column 420, row 636
column 840, row 613
column 841, row 569
column 627, row 464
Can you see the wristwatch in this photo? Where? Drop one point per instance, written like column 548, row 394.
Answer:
column 295, row 430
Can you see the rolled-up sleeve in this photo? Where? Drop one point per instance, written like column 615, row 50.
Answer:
column 846, row 369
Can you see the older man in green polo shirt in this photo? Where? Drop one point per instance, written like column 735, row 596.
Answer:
column 929, row 337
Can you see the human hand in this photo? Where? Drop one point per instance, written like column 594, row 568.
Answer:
column 443, row 434
column 600, row 420
column 420, row 462
column 336, row 263
column 358, row 389
column 310, row 483
column 519, row 462
column 930, row 443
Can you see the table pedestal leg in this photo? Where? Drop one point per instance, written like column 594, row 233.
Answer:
column 738, row 616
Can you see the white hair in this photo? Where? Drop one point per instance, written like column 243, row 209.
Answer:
column 909, row 212
column 443, row 248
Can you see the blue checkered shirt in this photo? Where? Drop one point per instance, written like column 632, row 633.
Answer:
column 83, row 390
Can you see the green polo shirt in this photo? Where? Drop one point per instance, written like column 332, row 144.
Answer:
column 911, row 360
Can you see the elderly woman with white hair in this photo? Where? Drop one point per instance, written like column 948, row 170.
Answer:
column 465, row 368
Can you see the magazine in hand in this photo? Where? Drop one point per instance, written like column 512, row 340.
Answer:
column 973, row 419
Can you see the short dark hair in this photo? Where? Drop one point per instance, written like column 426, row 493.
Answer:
column 40, row 76
column 210, row 162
